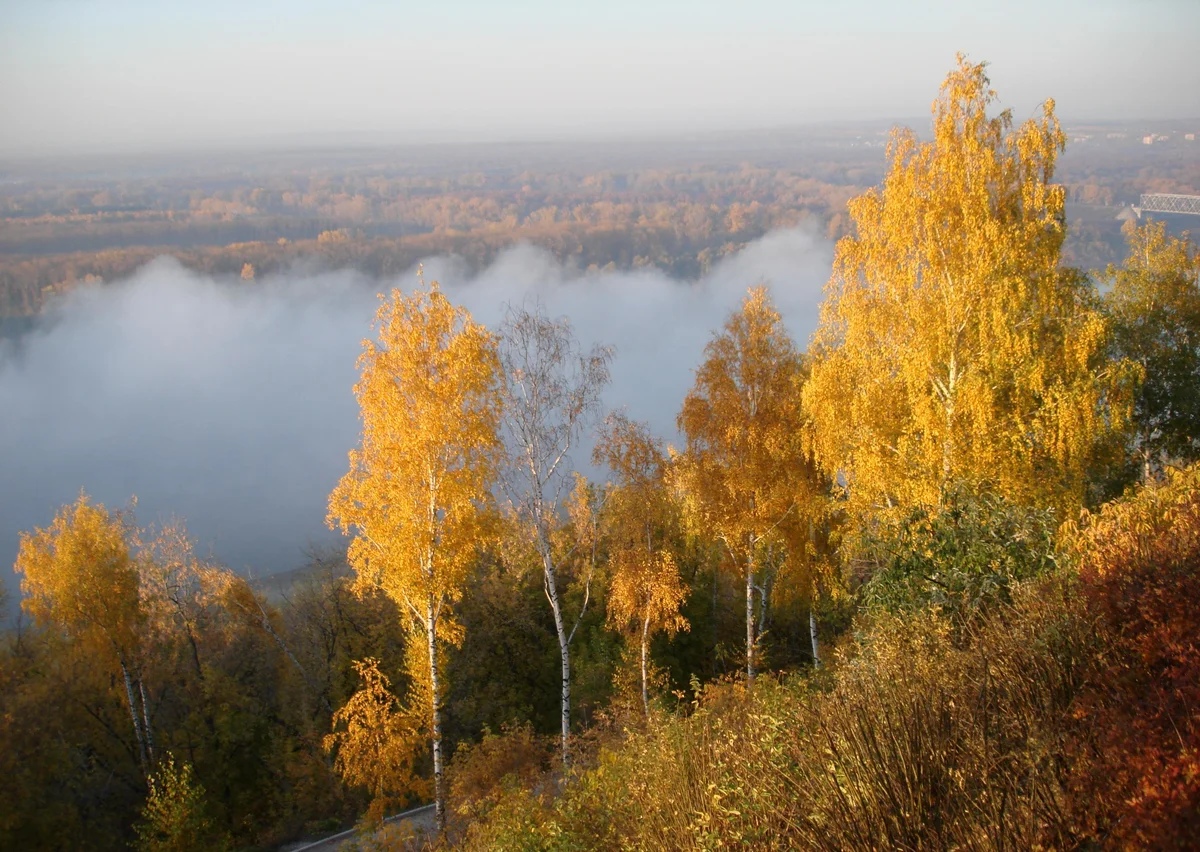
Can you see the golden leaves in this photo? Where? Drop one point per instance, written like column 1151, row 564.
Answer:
column 951, row 344
column 79, row 575
column 646, row 591
column 376, row 741
column 744, row 467
column 415, row 492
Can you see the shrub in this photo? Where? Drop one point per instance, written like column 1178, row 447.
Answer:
column 1137, row 750
column 961, row 557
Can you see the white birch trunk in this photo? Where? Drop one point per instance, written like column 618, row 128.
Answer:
column 565, row 652
column 750, row 618
column 645, row 674
column 439, row 785
column 137, row 725
column 146, row 729
column 812, row 634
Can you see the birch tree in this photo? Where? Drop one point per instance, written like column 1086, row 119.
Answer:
column 80, row 576
column 551, row 397
column 645, row 590
column 375, row 741
column 415, row 496
column 746, row 476
column 952, row 345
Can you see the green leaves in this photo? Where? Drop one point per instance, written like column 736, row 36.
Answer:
column 961, row 557
column 1154, row 304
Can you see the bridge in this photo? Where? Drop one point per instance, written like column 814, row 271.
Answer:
column 1164, row 202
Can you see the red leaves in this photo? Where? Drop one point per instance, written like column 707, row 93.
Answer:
column 1136, row 779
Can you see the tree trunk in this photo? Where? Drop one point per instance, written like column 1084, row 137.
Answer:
column 812, row 634
column 750, row 618
column 948, row 401
column 565, row 652
column 137, row 725
column 439, row 784
column 645, row 678
column 146, row 729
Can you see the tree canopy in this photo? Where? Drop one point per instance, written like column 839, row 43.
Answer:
column 746, row 477
column 952, row 344
column 1154, row 303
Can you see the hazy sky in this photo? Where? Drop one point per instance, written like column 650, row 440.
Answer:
column 143, row 74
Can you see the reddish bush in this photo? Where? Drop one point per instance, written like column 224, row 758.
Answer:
column 1136, row 754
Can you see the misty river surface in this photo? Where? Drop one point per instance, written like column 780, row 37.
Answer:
column 231, row 407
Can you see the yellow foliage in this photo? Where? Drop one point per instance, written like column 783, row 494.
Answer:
column 1151, row 525
column 80, row 576
column 645, row 590
column 376, row 742
column 745, row 477
column 951, row 344
column 414, row 496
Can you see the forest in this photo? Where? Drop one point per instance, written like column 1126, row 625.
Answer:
column 926, row 581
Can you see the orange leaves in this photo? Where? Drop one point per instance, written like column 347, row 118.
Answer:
column 1137, row 749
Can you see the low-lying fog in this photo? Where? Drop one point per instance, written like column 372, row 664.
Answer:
column 230, row 405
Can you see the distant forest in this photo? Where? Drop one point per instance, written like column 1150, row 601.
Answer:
column 675, row 207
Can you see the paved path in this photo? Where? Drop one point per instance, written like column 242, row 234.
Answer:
column 421, row 818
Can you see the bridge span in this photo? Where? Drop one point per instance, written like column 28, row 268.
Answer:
column 1165, row 202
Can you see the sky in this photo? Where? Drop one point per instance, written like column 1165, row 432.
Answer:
column 231, row 407
column 141, row 75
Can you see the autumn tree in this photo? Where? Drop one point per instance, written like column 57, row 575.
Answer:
column 645, row 590
column 551, row 397
column 952, row 345
column 374, row 741
column 80, row 577
column 1154, row 302
column 415, row 495
column 747, row 479
column 174, row 818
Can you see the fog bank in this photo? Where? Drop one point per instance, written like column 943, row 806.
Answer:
column 230, row 405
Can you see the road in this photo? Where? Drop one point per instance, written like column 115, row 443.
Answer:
column 420, row 819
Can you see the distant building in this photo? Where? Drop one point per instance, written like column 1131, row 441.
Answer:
column 1148, row 139
column 1191, row 137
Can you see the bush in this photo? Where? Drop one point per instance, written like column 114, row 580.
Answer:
column 920, row 740
column 1137, row 751
column 174, row 818
column 960, row 557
